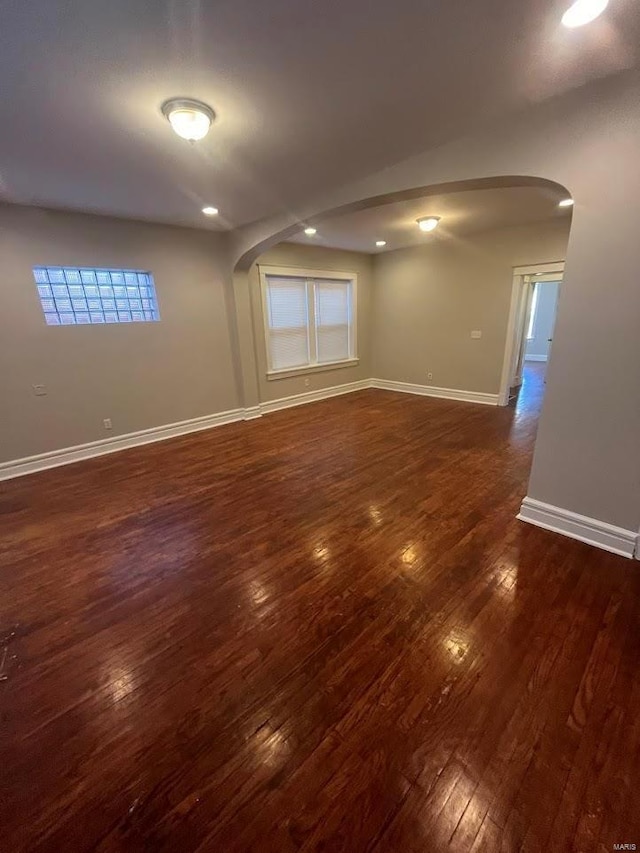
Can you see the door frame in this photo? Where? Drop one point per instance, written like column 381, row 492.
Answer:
column 515, row 326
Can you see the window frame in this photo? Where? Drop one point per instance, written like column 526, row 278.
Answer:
column 310, row 276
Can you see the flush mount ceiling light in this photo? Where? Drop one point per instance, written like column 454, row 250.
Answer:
column 566, row 202
column 381, row 243
column 210, row 211
column 310, row 231
column 428, row 223
column 583, row 12
column 190, row 119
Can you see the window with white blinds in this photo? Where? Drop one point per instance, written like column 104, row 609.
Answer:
column 309, row 319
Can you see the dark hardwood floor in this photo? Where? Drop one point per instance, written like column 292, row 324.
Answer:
column 320, row 631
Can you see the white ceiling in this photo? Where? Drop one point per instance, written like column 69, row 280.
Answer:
column 461, row 213
column 309, row 95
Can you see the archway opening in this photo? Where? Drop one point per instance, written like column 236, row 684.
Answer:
column 435, row 310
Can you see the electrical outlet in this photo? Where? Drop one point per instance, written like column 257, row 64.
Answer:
column 429, row 375
column 107, row 423
column 476, row 334
column 307, row 382
column 40, row 390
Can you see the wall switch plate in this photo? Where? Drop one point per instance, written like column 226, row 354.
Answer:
column 476, row 334
column 40, row 390
column 429, row 375
column 107, row 423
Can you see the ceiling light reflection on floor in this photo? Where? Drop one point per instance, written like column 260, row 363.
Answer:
column 258, row 593
column 271, row 745
column 409, row 555
column 321, row 552
column 457, row 647
column 508, row 581
column 121, row 683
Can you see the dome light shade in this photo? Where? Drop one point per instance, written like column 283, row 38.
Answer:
column 429, row 223
column 190, row 119
column 583, row 12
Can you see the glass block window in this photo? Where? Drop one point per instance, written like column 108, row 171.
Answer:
column 72, row 296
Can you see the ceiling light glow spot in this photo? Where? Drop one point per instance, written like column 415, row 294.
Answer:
column 310, row 231
column 210, row 211
column 428, row 223
column 583, row 12
column 566, row 202
column 380, row 243
column 190, row 119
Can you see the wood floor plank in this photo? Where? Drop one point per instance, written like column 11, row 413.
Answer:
column 323, row 630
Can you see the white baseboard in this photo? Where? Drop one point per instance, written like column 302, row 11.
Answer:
column 313, row 396
column 251, row 413
column 67, row 455
column 434, row 391
column 535, row 358
column 581, row 527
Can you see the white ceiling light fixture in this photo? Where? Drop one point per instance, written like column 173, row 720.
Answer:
column 190, row 119
column 566, row 202
column 210, row 211
column 428, row 223
column 310, row 232
column 381, row 243
column 583, row 12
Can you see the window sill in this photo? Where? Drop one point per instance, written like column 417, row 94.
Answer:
column 314, row 368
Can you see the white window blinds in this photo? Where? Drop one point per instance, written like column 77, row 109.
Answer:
column 308, row 321
column 288, row 319
column 332, row 320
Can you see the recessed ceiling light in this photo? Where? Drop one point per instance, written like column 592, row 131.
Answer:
column 428, row 223
column 583, row 12
column 190, row 119
column 210, row 211
column 381, row 243
column 310, row 231
column 566, row 202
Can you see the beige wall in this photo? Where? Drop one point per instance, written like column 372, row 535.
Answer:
column 140, row 375
column 428, row 299
column 315, row 258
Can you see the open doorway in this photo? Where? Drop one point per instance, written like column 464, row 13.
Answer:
column 534, row 302
column 542, row 318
